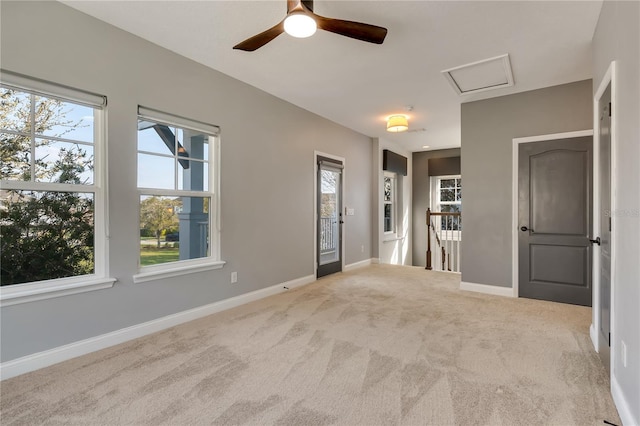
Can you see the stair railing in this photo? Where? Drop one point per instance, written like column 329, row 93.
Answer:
column 444, row 229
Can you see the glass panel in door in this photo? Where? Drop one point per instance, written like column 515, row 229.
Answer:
column 329, row 218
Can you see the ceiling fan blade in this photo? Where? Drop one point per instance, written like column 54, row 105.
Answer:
column 357, row 30
column 259, row 40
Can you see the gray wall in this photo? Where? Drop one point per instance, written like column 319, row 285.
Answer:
column 450, row 158
column 617, row 37
column 488, row 127
column 267, row 173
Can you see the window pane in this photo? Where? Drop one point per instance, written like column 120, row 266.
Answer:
column 447, row 195
column 388, row 189
column 459, row 195
column 450, row 208
column 447, row 183
column 194, row 177
column 63, row 162
column 205, row 148
column 388, row 219
column 155, row 138
column 156, row 172
column 173, row 229
column 196, row 145
column 329, row 202
column 15, row 110
column 15, row 157
column 451, row 222
column 45, row 235
column 187, row 150
column 63, row 119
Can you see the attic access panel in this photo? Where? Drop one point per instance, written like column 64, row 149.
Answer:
column 488, row 74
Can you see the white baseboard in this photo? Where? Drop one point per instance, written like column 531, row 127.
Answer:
column 298, row 282
column 63, row 353
column 375, row 260
column 594, row 337
column 487, row 289
column 624, row 409
column 361, row 264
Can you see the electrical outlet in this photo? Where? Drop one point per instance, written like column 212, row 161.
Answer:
column 234, row 277
column 623, row 352
column 362, row 248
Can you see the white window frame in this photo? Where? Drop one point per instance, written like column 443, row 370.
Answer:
column 436, row 203
column 394, row 205
column 212, row 261
column 46, row 289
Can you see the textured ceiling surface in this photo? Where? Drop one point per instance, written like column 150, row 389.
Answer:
column 358, row 84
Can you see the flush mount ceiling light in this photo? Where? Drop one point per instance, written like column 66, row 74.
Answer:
column 300, row 25
column 397, row 123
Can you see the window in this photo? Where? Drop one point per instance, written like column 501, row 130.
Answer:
column 177, row 178
column 447, row 198
column 51, row 190
column 389, row 202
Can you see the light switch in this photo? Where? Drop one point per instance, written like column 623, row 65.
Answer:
column 351, row 212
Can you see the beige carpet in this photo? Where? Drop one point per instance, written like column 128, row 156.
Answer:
column 383, row 345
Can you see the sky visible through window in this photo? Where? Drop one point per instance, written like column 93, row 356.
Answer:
column 79, row 127
column 158, row 168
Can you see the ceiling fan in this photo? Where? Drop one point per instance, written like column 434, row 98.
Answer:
column 302, row 22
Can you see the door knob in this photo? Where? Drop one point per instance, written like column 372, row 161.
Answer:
column 524, row 229
column 596, row 241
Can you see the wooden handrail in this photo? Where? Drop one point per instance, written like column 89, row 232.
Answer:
column 443, row 213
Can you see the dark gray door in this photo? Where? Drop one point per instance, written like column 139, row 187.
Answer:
column 555, row 201
column 329, row 214
column 604, row 226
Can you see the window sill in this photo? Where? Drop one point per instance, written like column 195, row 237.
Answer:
column 24, row 293
column 391, row 238
column 175, row 271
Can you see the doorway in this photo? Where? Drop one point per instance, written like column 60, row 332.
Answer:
column 554, row 218
column 329, row 215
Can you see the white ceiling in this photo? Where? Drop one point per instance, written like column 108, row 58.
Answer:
column 359, row 84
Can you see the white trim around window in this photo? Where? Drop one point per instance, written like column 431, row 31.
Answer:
column 46, row 289
column 211, row 192
column 437, row 203
column 392, row 178
column 30, row 292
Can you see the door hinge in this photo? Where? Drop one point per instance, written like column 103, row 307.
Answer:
column 609, row 223
column 609, row 339
column 609, row 109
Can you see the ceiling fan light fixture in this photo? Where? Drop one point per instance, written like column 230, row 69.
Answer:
column 300, row 25
column 397, row 123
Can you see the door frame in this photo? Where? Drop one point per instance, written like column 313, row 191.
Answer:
column 514, row 194
column 608, row 78
column 317, row 154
